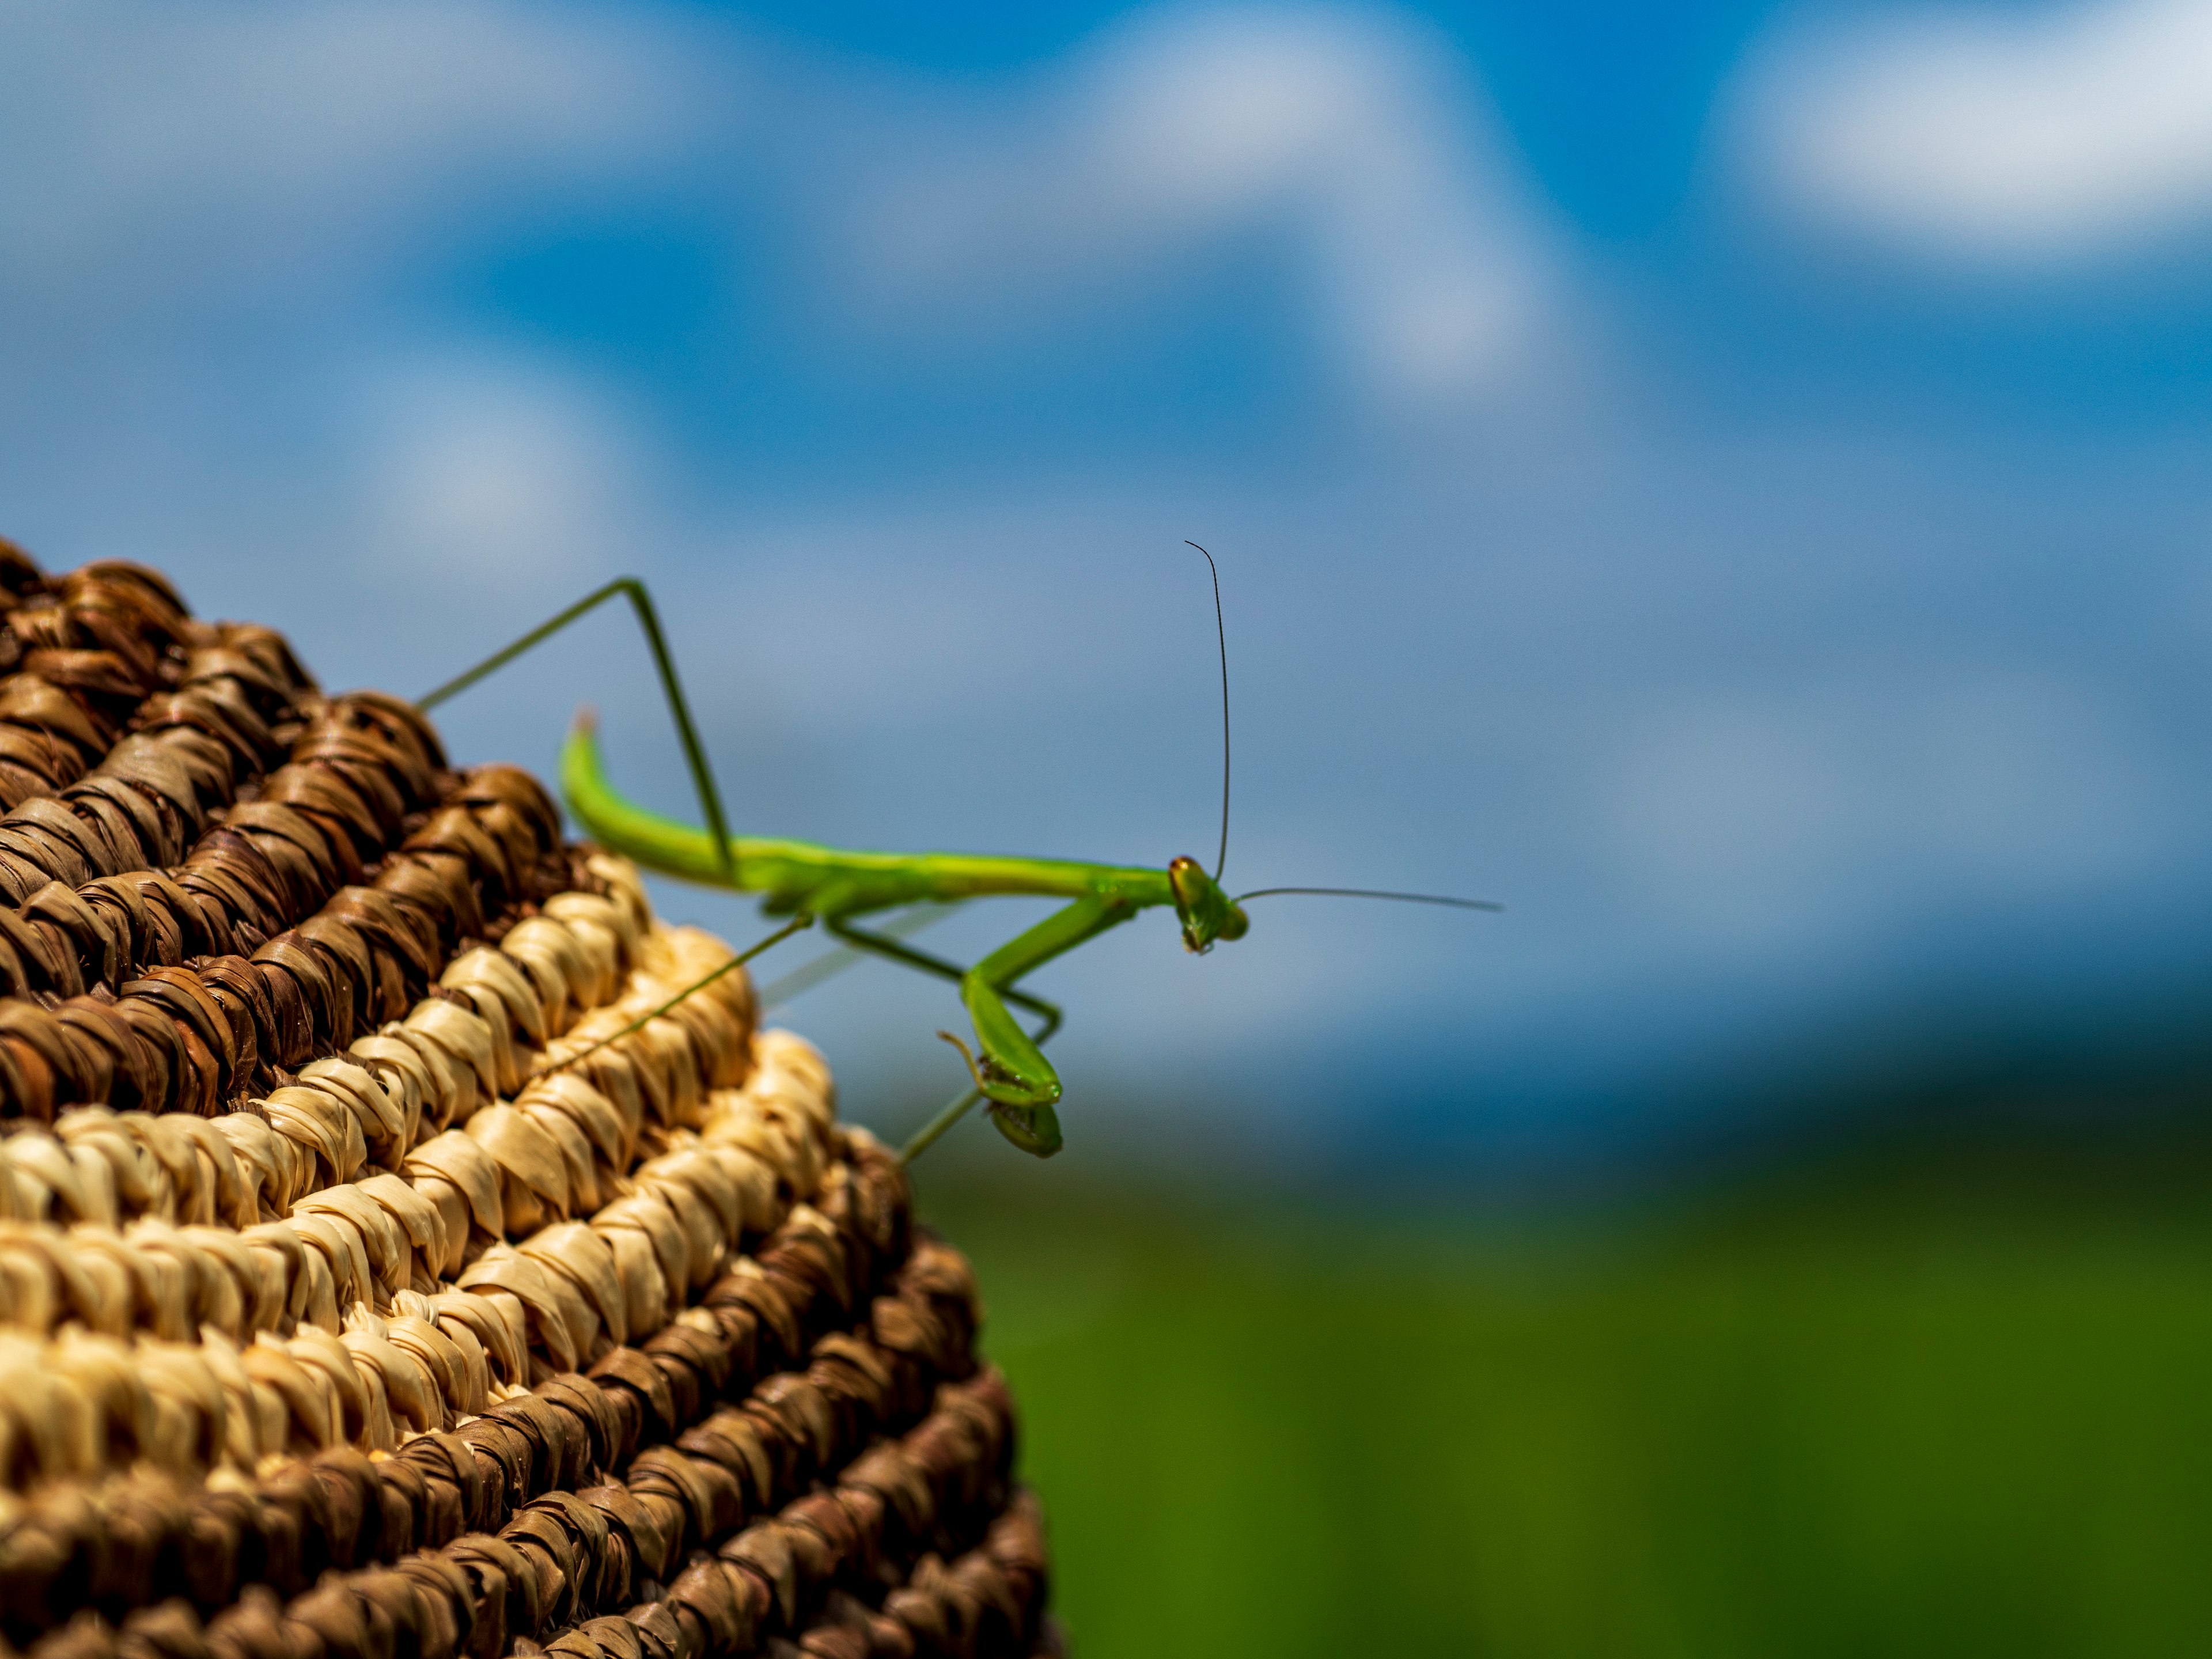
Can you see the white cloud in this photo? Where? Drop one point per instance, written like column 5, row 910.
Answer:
column 278, row 164
column 1351, row 135
column 2004, row 136
column 149, row 151
column 484, row 468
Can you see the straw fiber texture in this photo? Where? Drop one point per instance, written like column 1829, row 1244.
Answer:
column 370, row 1287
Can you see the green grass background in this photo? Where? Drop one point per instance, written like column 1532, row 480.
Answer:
column 1946, row 1412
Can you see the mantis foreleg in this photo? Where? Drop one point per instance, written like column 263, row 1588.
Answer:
column 1012, row 1070
column 1029, row 1139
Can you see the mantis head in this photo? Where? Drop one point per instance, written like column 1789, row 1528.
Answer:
column 1207, row 914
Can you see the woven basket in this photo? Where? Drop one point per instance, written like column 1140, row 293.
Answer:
column 335, row 1321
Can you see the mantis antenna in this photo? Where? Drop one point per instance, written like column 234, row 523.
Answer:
column 1373, row 893
column 1221, row 636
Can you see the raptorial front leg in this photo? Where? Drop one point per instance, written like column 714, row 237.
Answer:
column 1011, row 1069
column 1040, row 1138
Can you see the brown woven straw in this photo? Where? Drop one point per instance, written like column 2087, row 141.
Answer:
column 370, row 1289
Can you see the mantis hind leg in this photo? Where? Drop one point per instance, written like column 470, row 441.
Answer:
column 648, row 621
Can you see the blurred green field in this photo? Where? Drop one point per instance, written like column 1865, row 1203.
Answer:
column 1852, row 1415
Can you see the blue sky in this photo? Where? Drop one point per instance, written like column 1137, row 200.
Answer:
column 1730, row 482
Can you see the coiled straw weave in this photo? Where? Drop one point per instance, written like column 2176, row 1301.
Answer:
column 368, row 1289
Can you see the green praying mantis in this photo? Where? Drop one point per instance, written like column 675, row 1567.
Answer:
column 837, row 887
